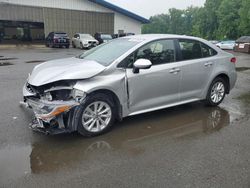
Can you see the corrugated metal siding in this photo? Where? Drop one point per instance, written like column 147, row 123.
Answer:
column 21, row 13
column 72, row 21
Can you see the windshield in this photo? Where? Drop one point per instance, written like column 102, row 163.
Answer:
column 106, row 37
column 106, row 53
column 86, row 36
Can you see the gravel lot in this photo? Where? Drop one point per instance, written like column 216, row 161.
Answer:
column 185, row 146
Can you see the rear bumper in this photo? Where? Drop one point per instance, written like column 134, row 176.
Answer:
column 60, row 44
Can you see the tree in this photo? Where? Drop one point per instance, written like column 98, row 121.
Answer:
column 229, row 18
column 244, row 13
column 158, row 24
column 218, row 19
column 199, row 24
column 211, row 19
column 176, row 21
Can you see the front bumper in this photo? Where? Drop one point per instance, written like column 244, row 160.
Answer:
column 89, row 45
column 51, row 117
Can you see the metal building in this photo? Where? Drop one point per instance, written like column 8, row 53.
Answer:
column 32, row 20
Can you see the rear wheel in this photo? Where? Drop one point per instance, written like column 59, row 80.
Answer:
column 216, row 92
column 73, row 44
column 96, row 115
column 67, row 46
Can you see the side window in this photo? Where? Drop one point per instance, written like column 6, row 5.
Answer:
column 207, row 51
column 128, row 61
column 49, row 36
column 158, row 52
column 190, row 49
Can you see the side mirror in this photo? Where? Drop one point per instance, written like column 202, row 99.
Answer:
column 141, row 64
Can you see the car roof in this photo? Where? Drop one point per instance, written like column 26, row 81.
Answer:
column 59, row 32
column 160, row 36
column 83, row 33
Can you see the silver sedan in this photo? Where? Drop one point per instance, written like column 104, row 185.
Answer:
column 125, row 77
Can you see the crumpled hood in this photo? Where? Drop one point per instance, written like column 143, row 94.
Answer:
column 64, row 69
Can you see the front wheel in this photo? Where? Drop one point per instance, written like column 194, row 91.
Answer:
column 96, row 116
column 216, row 92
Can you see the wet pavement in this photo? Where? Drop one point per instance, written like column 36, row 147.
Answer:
column 186, row 146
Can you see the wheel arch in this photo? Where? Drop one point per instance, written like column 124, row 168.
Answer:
column 219, row 75
column 225, row 77
column 113, row 97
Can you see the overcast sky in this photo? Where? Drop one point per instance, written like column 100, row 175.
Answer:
column 147, row 8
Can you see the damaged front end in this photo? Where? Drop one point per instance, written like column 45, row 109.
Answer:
column 53, row 105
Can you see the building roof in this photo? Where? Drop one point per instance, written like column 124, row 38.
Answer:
column 120, row 10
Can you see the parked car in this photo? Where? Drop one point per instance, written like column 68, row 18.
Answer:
column 84, row 41
column 226, row 45
column 243, row 44
column 114, row 36
column 127, row 76
column 57, row 39
column 103, row 38
column 214, row 41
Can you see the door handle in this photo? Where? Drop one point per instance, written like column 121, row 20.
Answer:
column 174, row 70
column 208, row 64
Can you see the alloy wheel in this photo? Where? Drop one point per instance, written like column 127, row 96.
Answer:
column 96, row 116
column 217, row 92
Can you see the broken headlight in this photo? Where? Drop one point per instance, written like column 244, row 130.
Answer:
column 78, row 95
column 64, row 94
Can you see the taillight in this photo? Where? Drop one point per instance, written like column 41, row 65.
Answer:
column 233, row 60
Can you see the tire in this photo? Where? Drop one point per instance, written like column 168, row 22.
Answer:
column 216, row 92
column 51, row 45
column 86, row 112
column 67, row 46
column 74, row 46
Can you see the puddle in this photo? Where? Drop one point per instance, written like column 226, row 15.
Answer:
column 240, row 69
column 35, row 61
column 5, row 64
column 60, row 152
column 15, row 163
column 131, row 137
column 7, row 58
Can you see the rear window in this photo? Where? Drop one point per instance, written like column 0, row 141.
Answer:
column 192, row 49
column 106, row 37
column 61, row 35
